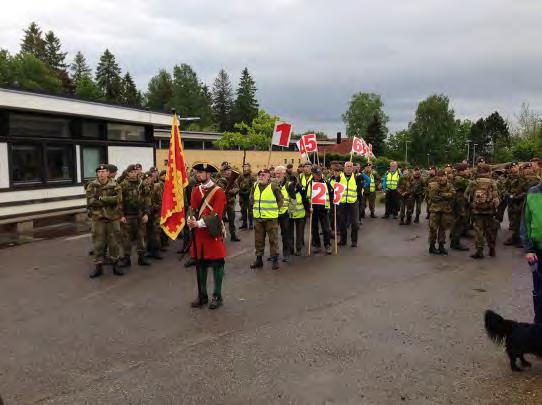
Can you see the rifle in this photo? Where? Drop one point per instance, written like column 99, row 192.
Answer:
column 231, row 181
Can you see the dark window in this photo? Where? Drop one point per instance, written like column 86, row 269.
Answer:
column 123, row 132
column 91, row 157
column 164, row 144
column 193, row 145
column 59, row 163
column 209, row 145
column 90, row 129
column 26, row 164
column 38, row 126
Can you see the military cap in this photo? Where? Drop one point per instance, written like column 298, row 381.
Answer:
column 205, row 167
column 416, row 168
column 441, row 173
column 113, row 168
column 153, row 169
column 480, row 159
column 289, row 166
column 484, row 168
column 131, row 167
column 461, row 166
column 433, row 168
column 227, row 167
column 162, row 173
column 536, row 160
column 146, row 175
column 138, row 166
column 449, row 165
column 367, row 165
column 316, row 170
column 528, row 164
column 264, row 171
column 307, row 164
column 513, row 163
column 224, row 164
column 102, row 166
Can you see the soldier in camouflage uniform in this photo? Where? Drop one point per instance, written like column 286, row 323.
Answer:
column 430, row 182
column 501, row 179
column 460, row 183
column 482, row 195
column 136, row 211
column 418, row 191
column 245, row 182
column 154, row 230
column 230, row 187
column 441, row 195
column 516, row 187
column 104, row 200
column 404, row 188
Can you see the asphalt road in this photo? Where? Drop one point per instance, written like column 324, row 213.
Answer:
column 384, row 323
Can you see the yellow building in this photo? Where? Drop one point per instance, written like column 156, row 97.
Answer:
column 198, row 146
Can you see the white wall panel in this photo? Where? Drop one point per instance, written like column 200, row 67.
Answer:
column 4, row 170
column 78, row 163
column 28, row 209
column 25, row 195
column 122, row 156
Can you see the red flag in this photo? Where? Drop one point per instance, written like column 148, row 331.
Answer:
column 172, row 218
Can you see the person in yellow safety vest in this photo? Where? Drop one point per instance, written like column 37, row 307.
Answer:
column 369, row 190
column 347, row 214
column 389, row 186
column 284, row 217
column 306, row 176
column 266, row 200
column 320, row 213
column 337, row 169
column 297, row 213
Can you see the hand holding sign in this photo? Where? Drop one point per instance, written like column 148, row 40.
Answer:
column 338, row 191
column 310, row 142
column 318, row 193
column 281, row 134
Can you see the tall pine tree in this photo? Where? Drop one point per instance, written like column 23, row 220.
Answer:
column 246, row 106
column 222, row 97
column 33, row 42
column 130, row 95
column 53, row 54
column 108, row 78
column 79, row 67
column 160, row 91
column 376, row 134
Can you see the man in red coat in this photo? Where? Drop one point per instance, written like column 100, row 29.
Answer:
column 207, row 205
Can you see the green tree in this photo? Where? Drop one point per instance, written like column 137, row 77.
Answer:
column 33, row 42
column 53, row 54
column 160, row 92
column 432, row 130
column 395, row 145
column 256, row 136
column 6, row 74
column 246, row 106
column 206, row 122
column 361, row 112
column 458, row 146
column 108, row 78
column 86, row 88
column 376, row 134
column 28, row 72
column 130, row 95
column 79, row 67
column 222, row 101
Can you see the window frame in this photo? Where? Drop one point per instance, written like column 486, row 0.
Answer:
column 82, row 166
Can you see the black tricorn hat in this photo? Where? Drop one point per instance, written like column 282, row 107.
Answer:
column 205, row 167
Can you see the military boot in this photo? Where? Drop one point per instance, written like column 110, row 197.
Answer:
column 479, row 254
column 200, row 301
column 402, row 222
column 234, row 238
column 190, row 262
column 492, row 252
column 258, row 264
column 408, row 220
column 373, row 215
column 142, row 261
column 275, row 265
column 117, row 271
column 442, row 250
column 216, row 301
column 417, row 219
column 328, row 250
column 455, row 244
column 432, row 249
column 126, row 261
column 155, row 254
column 97, row 272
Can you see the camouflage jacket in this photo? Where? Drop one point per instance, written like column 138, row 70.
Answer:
column 516, row 187
column 483, row 182
column 224, row 183
column 104, row 201
column 156, row 198
column 430, row 183
column 418, row 186
column 405, row 186
column 245, row 183
column 136, row 199
column 441, row 197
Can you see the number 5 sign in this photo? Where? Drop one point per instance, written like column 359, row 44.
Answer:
column 338, row 191
column 281, row 134
column 318, row 193
column 310, row 142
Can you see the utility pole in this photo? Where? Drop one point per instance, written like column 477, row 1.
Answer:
column 406, row 151
column 474, row 154
column 428, row 160
column 468, row 149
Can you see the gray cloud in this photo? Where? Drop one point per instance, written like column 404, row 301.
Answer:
column 309, row 57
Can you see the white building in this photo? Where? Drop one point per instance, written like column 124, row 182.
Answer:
column 50, row 146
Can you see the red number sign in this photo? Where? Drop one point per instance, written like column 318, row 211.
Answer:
column 301, row 147
column 281, row 134
column 318, row 195
column 310, row 142
column 359, row 146
column 338, row 191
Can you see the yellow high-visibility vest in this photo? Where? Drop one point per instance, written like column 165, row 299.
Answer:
column 265, row 203
column 305, row 180
column 350, row 194
column 299, row 211
column 286, row 197
column 392, row 179
column 372, row 187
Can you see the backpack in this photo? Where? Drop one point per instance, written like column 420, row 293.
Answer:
column 483, row 195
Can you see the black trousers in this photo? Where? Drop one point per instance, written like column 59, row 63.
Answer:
column 392, row 202
column 322, row 217
column 229, row 212
column 347, row 217
column 285, row 231
column 297, row 230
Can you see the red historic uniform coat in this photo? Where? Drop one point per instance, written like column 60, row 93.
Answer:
column 208, row 248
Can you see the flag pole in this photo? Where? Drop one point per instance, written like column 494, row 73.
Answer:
column 310, row 226
column 269, row 157
column 335, row 229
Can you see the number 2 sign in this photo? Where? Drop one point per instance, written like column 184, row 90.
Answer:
column 281, row 134
column 318, row 194
column 338, row 191
column 310, row 143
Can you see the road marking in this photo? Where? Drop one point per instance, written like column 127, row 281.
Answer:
column 85, row 235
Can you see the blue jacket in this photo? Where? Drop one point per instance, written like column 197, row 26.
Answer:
column 530, row 245
column 385, row 179
column 366, row 180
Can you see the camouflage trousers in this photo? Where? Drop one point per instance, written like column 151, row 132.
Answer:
column 407, row 204
column 154, row 233
column 418, row 201
column 105, row 236
column 439, row 223
column 134, row 230
column 246, row 212
column 368, row 198
column 514, row 215
column 229, row 213
column 485, row 227
column 263, row 227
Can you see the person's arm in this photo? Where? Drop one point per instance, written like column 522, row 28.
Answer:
column 525, row 229
column 384, row 182
column 278, row 194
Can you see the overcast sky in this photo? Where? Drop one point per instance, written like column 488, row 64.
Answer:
column 309, row 56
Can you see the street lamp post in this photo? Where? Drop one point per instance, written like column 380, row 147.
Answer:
column 468, row 149
column 473, row 153
column 406, row 151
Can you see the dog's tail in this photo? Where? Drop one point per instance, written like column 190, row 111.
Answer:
column 497, row 327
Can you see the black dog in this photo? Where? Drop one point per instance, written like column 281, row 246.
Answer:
column 519, row 338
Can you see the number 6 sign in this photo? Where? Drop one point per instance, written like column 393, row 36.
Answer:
column 318, row 193
column 281, row 134
column 359, row 146
column 338, row 191
column 310, row 143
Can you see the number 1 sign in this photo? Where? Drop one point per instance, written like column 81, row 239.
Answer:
column 281, row 134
